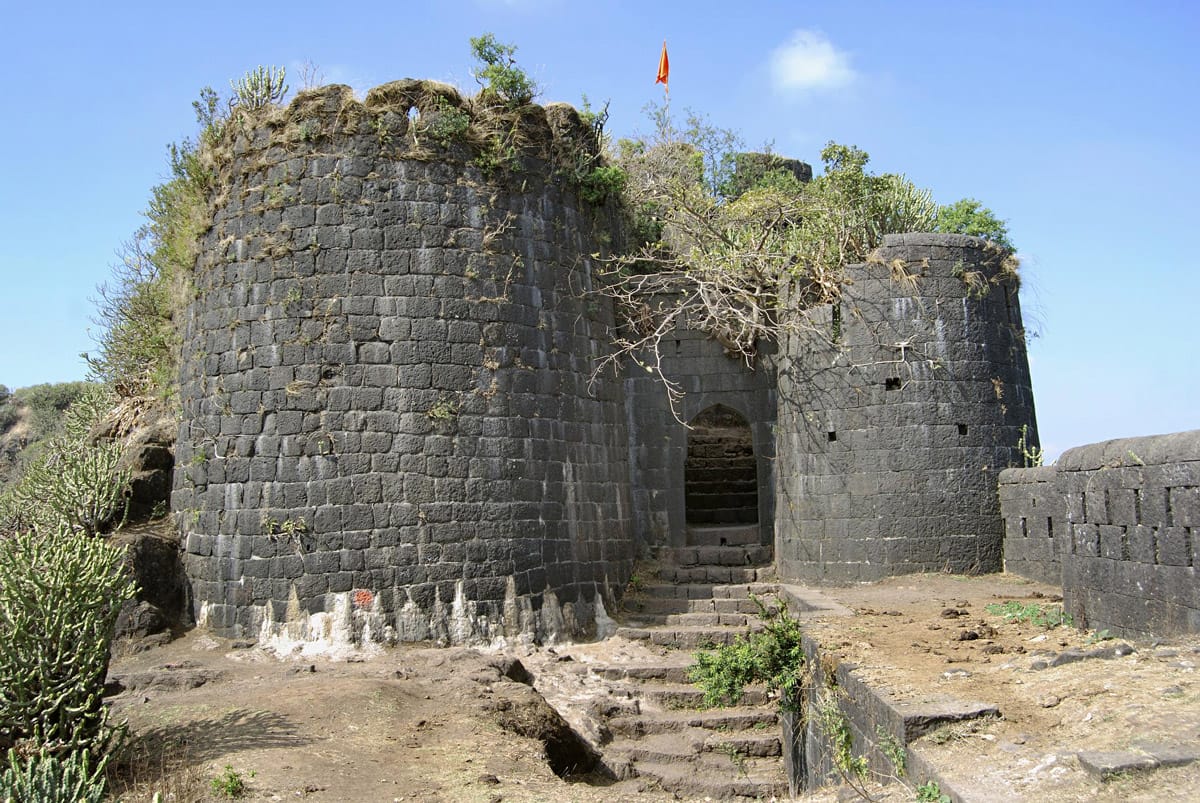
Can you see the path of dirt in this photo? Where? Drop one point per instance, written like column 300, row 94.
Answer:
column 426, row 724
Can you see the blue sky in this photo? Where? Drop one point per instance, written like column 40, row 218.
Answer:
column 1075, row 121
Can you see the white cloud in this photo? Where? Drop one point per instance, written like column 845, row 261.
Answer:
column 808, row 61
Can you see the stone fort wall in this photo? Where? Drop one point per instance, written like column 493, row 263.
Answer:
column 387, row 425
column 391, row 430
column 898, row 409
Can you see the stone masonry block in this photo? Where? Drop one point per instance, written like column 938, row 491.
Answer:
column 1141, row 544
column 1086, row 540
column 1174, row 546
column 1184, row 505
column 1112, row 542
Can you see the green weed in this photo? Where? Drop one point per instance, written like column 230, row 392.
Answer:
column 930, row 792
column 229, row 784
column 1048, row 616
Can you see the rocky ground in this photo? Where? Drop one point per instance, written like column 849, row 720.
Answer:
column 1079, row 717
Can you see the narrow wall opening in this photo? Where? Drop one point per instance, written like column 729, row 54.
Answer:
column 720, row 473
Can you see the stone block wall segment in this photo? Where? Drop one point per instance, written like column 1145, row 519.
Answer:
column 1032, row 509
column 1132, row 516
column 388, row 430
column 898, row 409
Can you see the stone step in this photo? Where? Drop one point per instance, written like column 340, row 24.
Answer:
column 720, row 502
column 707, row 591
column 733, row 719
column 684, row 638
column 717, row 575
column 722, row 498
column 733, row 515
column 653, row 606
column 739, row 555
column 742, row 484
column 716, row 451
column 694, row 591
column 694, row 619
column 664, row 672
column 700, row 481
column 733, row 535
column 686, row 744
column 714, row 776
column 756, row 745
column 717, row 460
column 684, row 695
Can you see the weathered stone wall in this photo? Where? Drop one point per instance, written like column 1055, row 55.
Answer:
column 1031, row 504
column 659, row 438
column 898, row 408
column 387, row 426
column 1126, row 517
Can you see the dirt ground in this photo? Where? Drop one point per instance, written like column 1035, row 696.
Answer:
column 924, row 636
column 428, row 724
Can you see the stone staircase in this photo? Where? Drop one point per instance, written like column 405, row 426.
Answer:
column 720, row 476
column 700, row 597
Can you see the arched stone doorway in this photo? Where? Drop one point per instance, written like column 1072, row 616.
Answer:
column 720, row 472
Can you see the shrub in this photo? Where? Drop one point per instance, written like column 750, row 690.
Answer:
column 60, row 593
column 48, row 778
column 602, row 183
column 74, row 490
column 498, row 72
column 968, row 216
column 446, row 123
column 71, row 485
column 229, row 784
column 773, row 656
column 721, row 264
column 138, row 310
column 259, row 88
column 931, row 792
column 46, row 405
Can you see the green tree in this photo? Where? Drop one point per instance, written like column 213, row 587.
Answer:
column 968, row 216
column 498, row 73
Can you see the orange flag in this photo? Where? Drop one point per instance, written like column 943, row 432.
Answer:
column 664, row 68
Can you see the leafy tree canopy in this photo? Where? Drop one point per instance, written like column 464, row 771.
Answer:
column 968, row 216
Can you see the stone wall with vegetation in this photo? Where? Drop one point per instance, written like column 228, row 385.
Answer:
column 388, row 429
column 1125, row 515
column 899, row 407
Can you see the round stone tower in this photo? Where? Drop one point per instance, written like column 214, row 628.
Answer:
column 388, row 430
column 898, row 408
